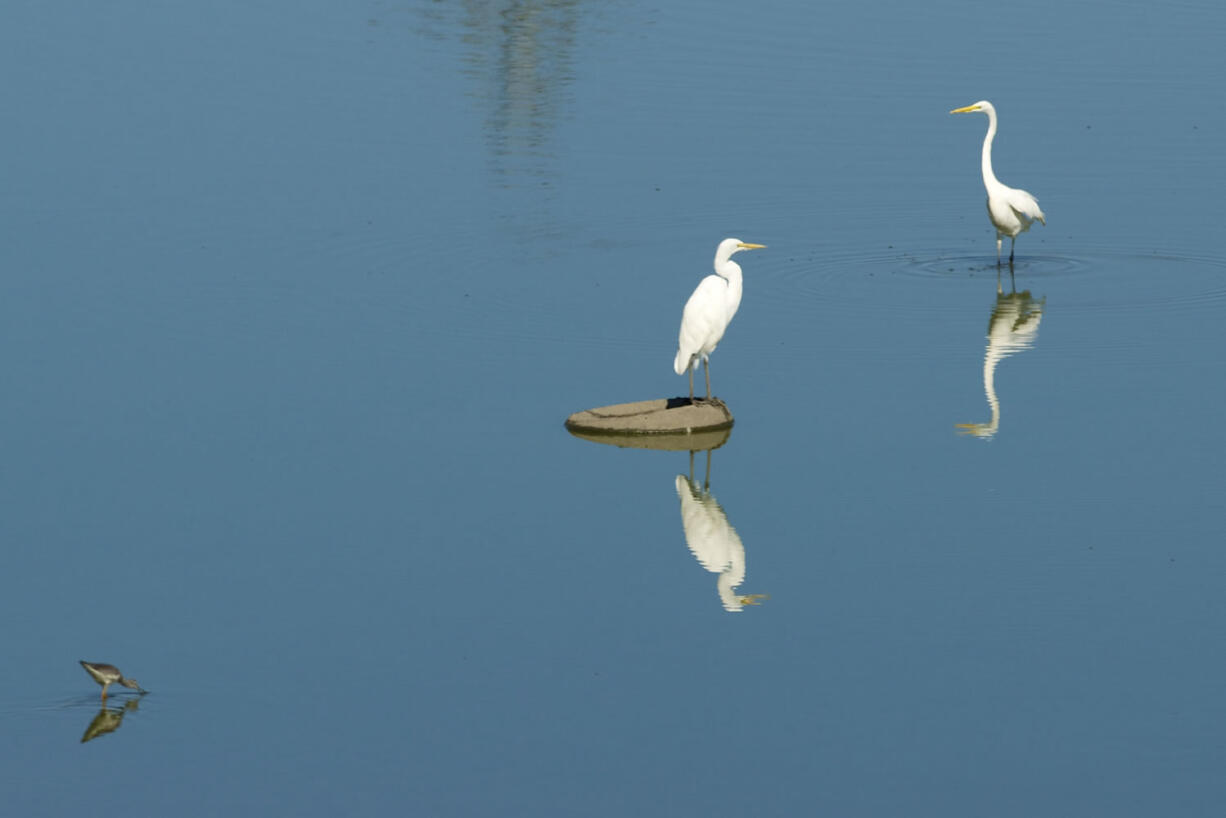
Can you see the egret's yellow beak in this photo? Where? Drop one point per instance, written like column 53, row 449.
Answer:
column 965, row 110
column 747, row 246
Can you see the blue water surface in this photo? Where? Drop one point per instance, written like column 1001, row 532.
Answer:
column 296, row 299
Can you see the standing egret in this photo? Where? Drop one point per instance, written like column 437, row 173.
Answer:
column 709, row 311
column 1011, row 210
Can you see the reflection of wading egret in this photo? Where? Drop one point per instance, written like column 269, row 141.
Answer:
column 709, row 311
column 1011, row 210
column 1014, row 326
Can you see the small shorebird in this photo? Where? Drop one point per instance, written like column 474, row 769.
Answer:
column 107, row 675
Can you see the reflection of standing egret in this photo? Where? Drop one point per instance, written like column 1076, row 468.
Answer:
column 1013, row 327
column 1011, row 210
column 709, row 311
column 712, row 539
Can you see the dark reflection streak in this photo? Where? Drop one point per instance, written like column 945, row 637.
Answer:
column 522, row 49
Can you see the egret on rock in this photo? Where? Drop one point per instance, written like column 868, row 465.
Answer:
column 709, row 311
column 1011, row 210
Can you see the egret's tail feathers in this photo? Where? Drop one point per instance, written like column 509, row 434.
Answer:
column 1026, row 206
column 682, row 362
column 1035, row 213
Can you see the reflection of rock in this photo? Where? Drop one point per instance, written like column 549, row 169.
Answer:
column 695, row 442
column 1013, row 327
column 108, row 720
column 714, row 542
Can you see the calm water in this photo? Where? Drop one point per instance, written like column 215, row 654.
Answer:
column 296, row 297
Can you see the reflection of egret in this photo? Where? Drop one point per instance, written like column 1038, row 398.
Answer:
column 1013, row 327
column 708, row 312
column 108, row 720
column 712, row 539
column 1011, row 210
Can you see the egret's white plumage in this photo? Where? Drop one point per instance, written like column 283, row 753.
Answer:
column 707, row 314
column 1011, row 210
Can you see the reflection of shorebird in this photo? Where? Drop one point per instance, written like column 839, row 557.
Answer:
column 107, row 675
column 1013, row 327
column 712, row 539
column 108, row 720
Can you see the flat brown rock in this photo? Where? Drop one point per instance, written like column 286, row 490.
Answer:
column 663, row 416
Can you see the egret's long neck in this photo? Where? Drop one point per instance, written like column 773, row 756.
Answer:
column 989, row 178
column 730, row 271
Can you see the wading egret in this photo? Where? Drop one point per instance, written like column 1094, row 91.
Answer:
column 1011, row 210
column 709, row 311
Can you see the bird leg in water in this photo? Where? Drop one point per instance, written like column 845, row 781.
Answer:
column 1012, row 282
column 997, row 249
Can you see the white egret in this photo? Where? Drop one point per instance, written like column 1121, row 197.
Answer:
column 709, row 311
column 1011, row 210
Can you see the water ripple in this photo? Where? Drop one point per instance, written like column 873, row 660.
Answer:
column 1041, row 267
column 1097, row 280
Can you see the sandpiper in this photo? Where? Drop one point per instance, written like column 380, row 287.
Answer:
column 107, row 675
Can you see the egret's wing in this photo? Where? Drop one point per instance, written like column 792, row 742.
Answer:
column 702, row 322
column 1025, row 206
